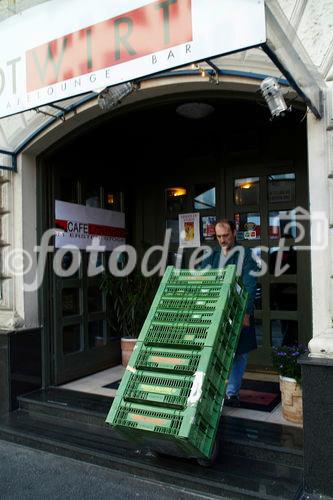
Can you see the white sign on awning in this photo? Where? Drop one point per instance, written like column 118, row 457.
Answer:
column 64, row 48
column 78, row 225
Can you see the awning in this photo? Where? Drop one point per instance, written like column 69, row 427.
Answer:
column 282, row 46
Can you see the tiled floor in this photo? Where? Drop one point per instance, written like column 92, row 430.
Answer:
column 94, row 384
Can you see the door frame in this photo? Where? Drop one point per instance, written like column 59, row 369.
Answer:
column 261, row 358
column 53, row 372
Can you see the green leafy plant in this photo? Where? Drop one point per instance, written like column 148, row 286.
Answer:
column 130, row 298
column 285, row 360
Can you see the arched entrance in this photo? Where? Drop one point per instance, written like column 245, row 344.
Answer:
column 249, row 169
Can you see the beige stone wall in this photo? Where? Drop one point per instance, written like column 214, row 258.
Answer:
column 313, row 22
column 11, row 7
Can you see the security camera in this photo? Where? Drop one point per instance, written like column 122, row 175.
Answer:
column 273, row 96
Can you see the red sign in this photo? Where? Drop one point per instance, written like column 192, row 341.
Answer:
column 140, row 32
column 90, row 229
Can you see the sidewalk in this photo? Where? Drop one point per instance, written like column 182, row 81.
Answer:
column 31, row 474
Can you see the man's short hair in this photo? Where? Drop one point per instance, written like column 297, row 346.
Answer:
column 227, row 222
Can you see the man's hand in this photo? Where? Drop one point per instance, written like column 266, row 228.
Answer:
column 246, row 320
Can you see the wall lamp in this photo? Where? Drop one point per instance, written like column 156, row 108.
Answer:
column 273, row 96
column 173, row 192
column 112, row 96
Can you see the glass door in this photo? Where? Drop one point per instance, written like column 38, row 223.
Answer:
column 263, row 202
column 83, row 343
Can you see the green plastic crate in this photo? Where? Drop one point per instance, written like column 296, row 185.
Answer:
column 163, row 429
column 181, row 361
column 173, row 390
column 171, row 395
column 189, row 303
column 190, row 285
column 180, row 432
column 153, row 406
column 192, row 329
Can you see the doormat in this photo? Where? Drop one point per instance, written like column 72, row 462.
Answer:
column 114, row 384
column 254, row 394
column 259, row 395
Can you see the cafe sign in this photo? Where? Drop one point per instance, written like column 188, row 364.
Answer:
column 64, row 48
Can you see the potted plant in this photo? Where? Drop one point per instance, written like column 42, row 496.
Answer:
column 285, row 361
column 130, row 298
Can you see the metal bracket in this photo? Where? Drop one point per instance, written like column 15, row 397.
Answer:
column 61, row 116
column 12, row 159
column 214, row 76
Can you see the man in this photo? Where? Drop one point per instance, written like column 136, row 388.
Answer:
column 223, row 255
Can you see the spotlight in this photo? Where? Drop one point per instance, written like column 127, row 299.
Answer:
column 112, row 96
column 273, row 96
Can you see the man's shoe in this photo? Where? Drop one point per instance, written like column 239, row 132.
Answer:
column 232, row 400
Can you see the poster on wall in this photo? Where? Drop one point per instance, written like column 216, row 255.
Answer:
column 189, row 230
column 79, row 224
column 248, row 226
column 281, row 191
column 208, row 227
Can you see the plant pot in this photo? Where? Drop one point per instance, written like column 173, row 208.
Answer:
column 292, row 403
column 127, row 346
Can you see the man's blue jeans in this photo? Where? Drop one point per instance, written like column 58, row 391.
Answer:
column 236, row 374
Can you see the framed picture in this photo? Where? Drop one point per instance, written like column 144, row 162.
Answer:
column 208, row 227
column 189, row 230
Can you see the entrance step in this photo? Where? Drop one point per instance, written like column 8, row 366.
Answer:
column 257, row 460
column 239, row 437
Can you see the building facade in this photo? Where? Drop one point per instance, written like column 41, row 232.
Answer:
column 129, row 158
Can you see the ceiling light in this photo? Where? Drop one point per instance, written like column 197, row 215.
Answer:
column 176, row 191
column 195, row 110
column 112, row 96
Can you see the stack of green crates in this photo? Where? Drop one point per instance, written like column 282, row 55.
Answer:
column 172, row 392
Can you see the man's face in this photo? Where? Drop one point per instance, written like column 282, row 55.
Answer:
column 225, row 236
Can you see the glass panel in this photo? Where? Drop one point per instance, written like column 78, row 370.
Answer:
column 258, row 297
column 175, row 199
column 204, row 197
column 283, row 296
column 93, row 196
column 208, row 227
column 287, row 257
column 69, row 190
column 246, row 191
column 113, row 200
column 277, row 223
column 281, row 188
column 66, row 263
column 256, row 256
column 175, row 259
column 174, row 226
column 71, row 336
column 95, row 299
column 259, row 331
column 70, row 301
column 248, row 226
column 284, row 332
column 96, row 334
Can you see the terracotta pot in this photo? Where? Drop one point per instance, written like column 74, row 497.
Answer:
column 127, row 346
column 292, row 403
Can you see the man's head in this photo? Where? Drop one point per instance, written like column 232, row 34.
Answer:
column 225, row 231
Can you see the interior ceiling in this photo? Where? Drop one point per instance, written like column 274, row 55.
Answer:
column 161, row 128
column 157, row 138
